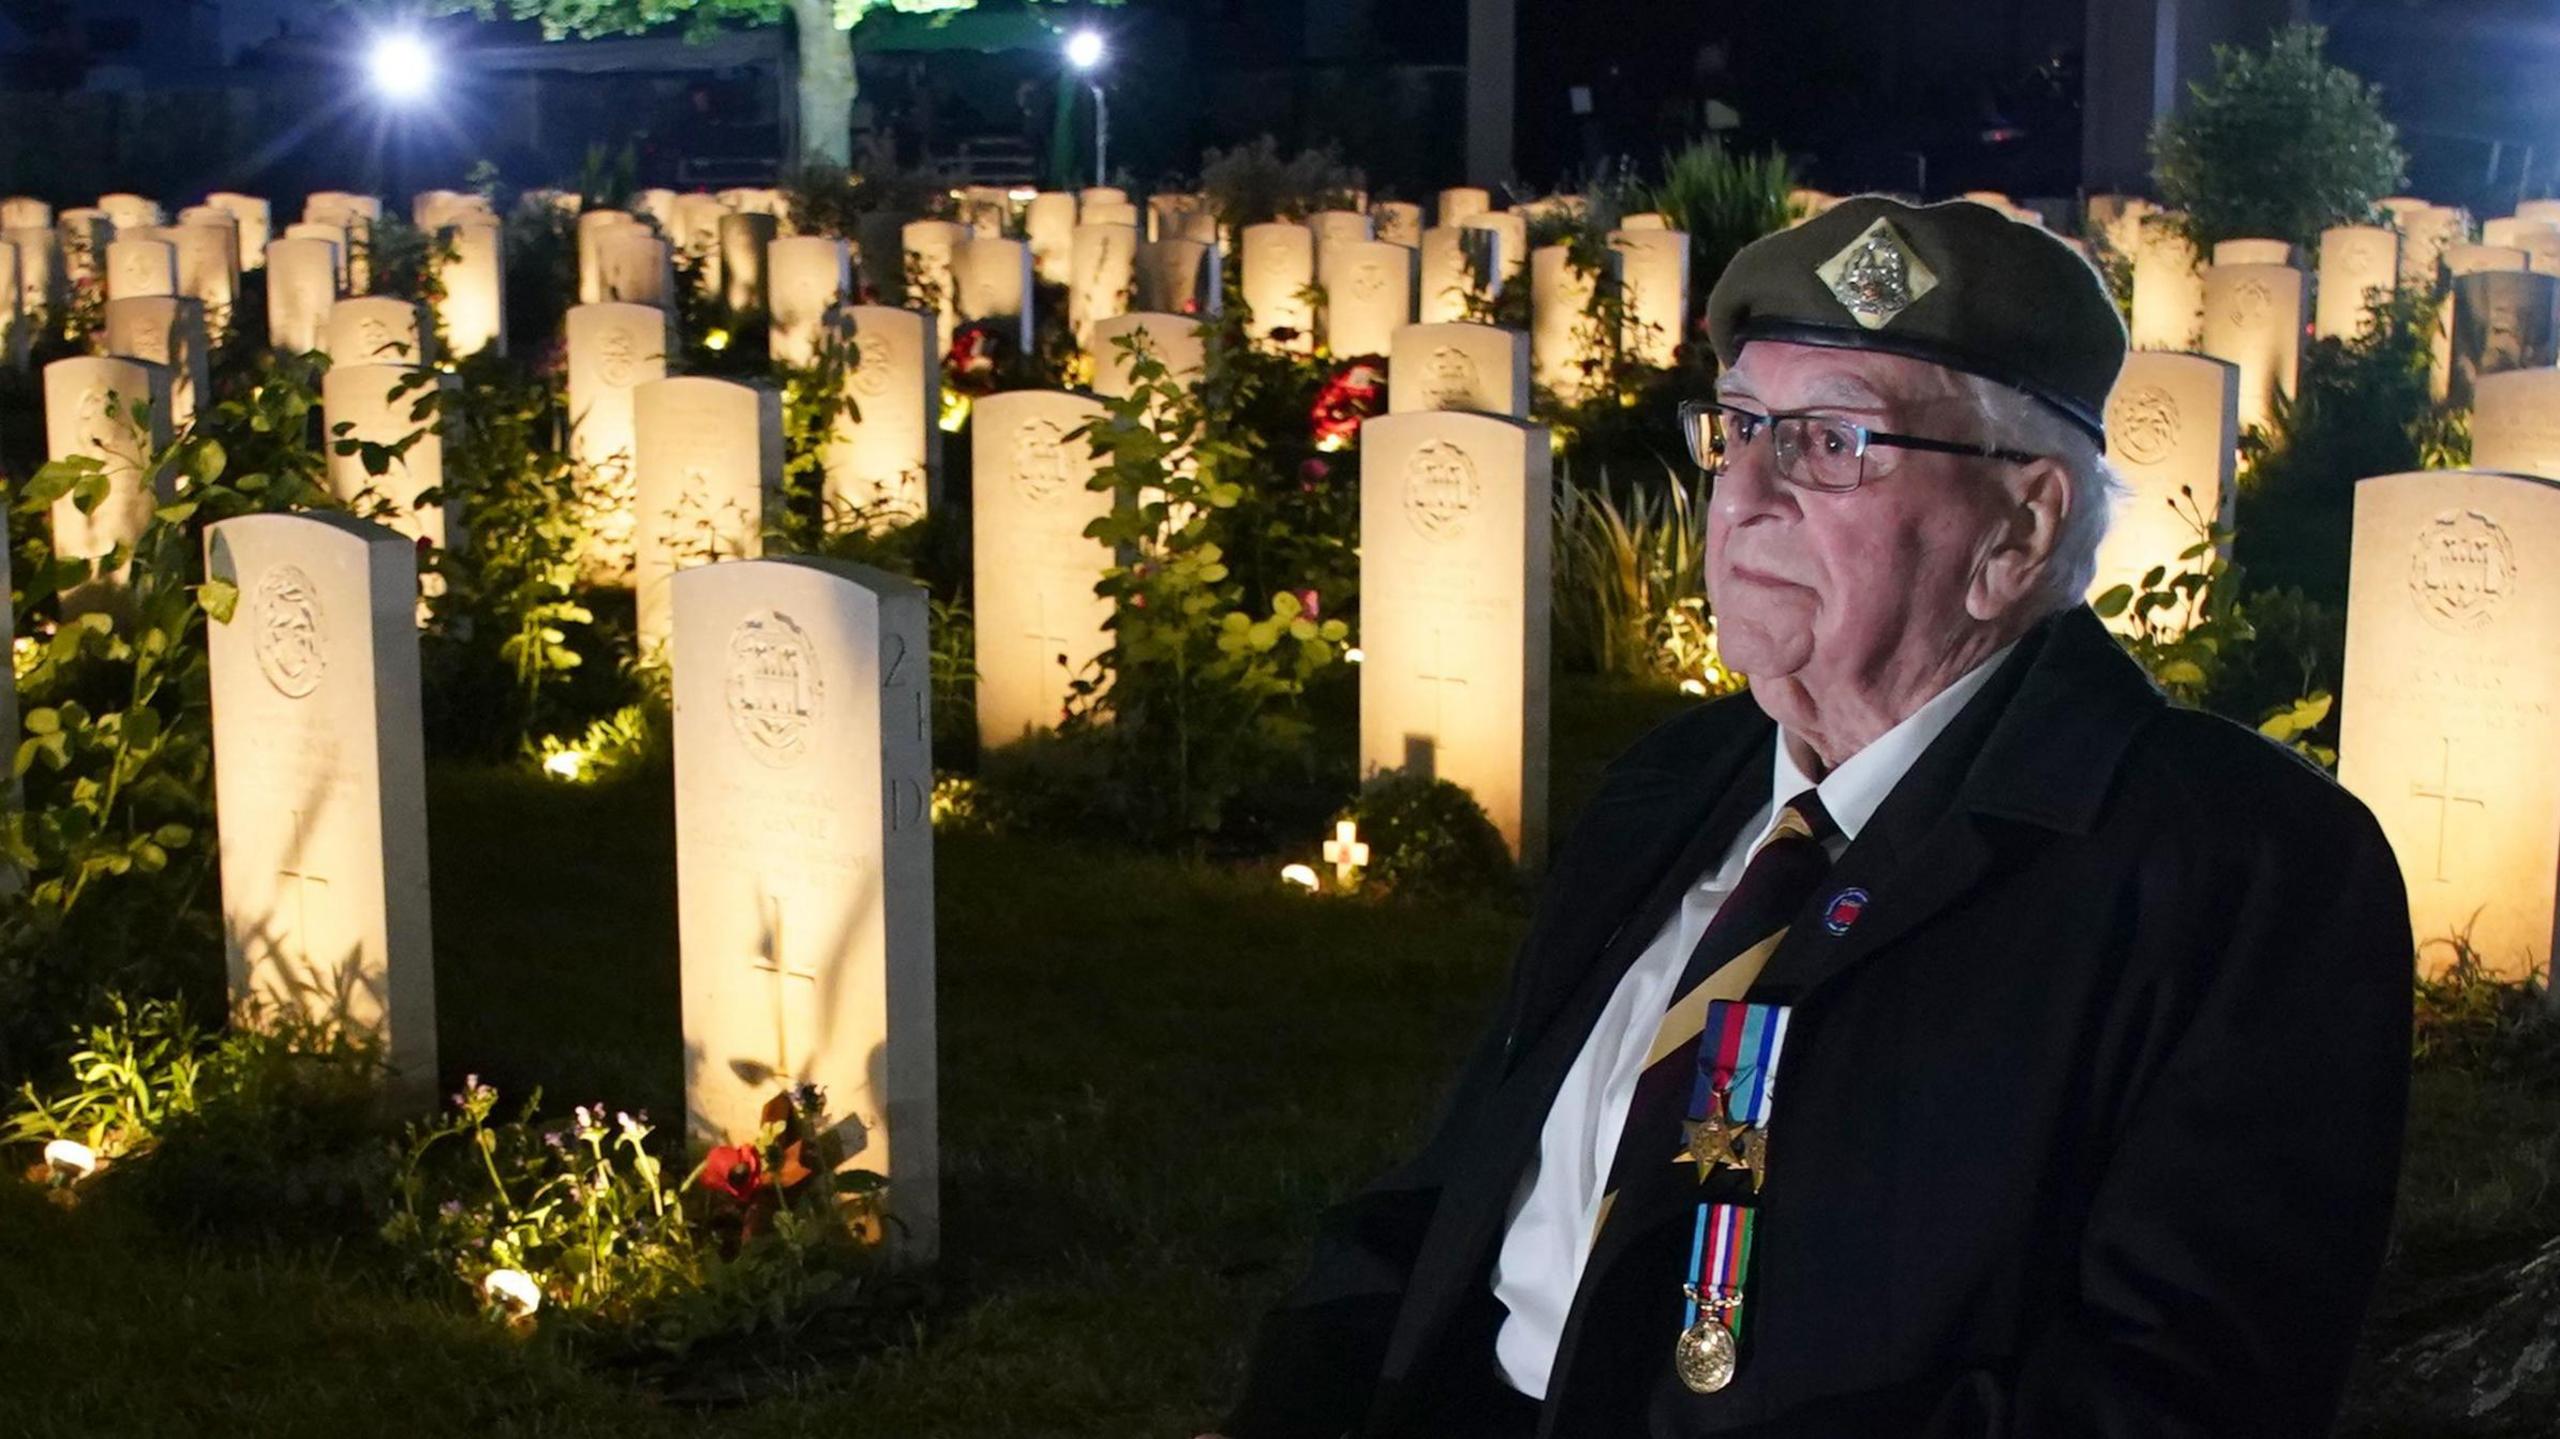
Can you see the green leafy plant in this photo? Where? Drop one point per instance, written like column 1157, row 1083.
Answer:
column 268, row 1127
column 2278, row 144
column 580, row 1225
column 1630, row 584
column 1724, row 201
column 111, row 838
column 1197, row 694
column 1429, row 839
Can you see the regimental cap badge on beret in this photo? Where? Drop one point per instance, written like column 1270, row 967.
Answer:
column 1877, row 277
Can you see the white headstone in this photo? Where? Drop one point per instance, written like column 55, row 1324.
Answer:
column 302, row 285
column 1644, row 220
column 1279, row 267
column 1456, row 515
column 991, row 279
column 24, row 212
column 1653, row 276
column 1111, row 212
column 1399, row 222
column 385, row 405
column 1106, row 276
column 138, row 268
column 593, row 226
column 1178, row 277
column 1466, row 200
column 474, row 308
column 1049, row 223
column 613, row 350
column 931, row 246
column 1460, row 273
column 1457, row 366
column 1338, row 227
column 320, row 781
column 2425, row 234
column 744, row 239
column 2515, row 422
column 708, row 457
column 85, row 235
column 804, row 863
column 2359, row 264
column 2252, row 252
column 1510, row 231
column 635, row 268
column 1563, row 337
column 208, row 258
column 377, row 330
column 2539, row 239
column 169, row 332
column 1174, row 339
column 883, row 463
column 2451, row 682
column 90, row 409
column 811, row 275
column 41, row 287
column 2253, row 318
column 697, row 235
column 2168, row 290
column 1102, row 195
column 1368, row 294
column 986, row 209
column 2172, row 436
column 131, row 212
column 257, row 222
column 1039, row 623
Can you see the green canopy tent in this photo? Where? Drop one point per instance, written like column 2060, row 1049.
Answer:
column 987, row 30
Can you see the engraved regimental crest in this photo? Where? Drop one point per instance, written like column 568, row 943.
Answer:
column 774, row 687
column 2462, row 570
column 2143, row 422
column 1877, row 277
column 1440, row 489
column 1039, row 460
column 871, row 364
column 2251, row 301
column 291, row 638
column 373, row 339
column 1449, row 379
column 1369, row 281
column 618, row 357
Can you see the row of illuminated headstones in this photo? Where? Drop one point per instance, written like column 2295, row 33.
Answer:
column 1374, row 268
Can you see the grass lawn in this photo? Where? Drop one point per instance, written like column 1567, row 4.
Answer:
column 1153, row 1076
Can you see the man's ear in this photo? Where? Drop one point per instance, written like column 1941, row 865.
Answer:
column 2021, row 548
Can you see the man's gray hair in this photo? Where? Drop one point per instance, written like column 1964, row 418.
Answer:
column 2013, row 421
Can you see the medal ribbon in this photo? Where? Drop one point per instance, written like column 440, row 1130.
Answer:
column 1737, row 1068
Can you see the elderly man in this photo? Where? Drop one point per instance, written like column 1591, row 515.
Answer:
column 1950, row 1038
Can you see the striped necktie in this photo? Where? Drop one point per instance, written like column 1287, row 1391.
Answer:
column 1781, row 877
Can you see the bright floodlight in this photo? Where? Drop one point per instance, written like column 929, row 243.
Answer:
column 401, row 65
column 1084, row 49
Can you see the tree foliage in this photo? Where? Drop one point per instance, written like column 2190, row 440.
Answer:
column 587, row 19
column 2280, row 145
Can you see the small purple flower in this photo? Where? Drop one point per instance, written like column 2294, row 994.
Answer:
column 450, row 1209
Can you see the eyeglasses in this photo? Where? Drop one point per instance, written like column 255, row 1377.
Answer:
column 1815, row 452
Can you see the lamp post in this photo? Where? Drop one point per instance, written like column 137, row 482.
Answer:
column 1085, row 51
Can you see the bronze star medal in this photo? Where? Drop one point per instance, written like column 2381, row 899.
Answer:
column 1719, row 1141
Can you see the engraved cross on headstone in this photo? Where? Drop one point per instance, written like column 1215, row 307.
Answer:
column 2446, row 795
column 773, row 958
column 1441, row 681
column 1044, row 632
column 301, row 875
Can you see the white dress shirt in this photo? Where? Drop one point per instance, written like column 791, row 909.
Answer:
column 1548, row 1238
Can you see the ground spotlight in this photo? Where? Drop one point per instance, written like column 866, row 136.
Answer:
column 1085, row 49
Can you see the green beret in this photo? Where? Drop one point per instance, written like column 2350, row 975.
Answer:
column 1956, row 284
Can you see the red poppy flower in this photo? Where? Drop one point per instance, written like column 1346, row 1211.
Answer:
column 971, row 363
column 1356, row 391
column 1310, row 604
column 736, row 1170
